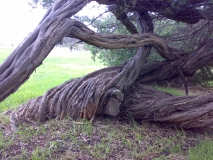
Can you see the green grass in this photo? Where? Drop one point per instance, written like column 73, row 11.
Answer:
column 172, row 91
column 60, row 66
column 106, row 138
column 203, row 151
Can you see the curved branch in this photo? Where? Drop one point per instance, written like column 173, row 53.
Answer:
column 116, row 41
column 157, row 71
column 101, row 92
column 55, row 25
column 17, row 68
column 84, row 97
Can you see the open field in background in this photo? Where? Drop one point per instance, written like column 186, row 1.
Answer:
column 60, row 66
column 107, row 138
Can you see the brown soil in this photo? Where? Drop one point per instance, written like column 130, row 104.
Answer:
column 107, row 138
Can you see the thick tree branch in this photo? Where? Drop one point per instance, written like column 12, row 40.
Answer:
column 189, row 64
column 17, row 68
column 104, row 91
column 147, row 104
column 101, row 93
column 184, row 11
column 120, row 15
column 115, row 41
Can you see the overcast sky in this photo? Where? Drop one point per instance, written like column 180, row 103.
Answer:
column 18, row 19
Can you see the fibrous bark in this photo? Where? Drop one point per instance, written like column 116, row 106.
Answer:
column 182, row 11
column 34, row 49
column 57, row 24
column 84, row 97
column 17, row 68
column 115, row 90
column 105, row 92
column 101, row 92
column 148, row 104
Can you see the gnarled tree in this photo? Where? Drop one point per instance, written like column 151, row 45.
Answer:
column 117, row 90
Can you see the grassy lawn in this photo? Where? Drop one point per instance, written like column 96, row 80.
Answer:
column 107, row 138
column 60, row 66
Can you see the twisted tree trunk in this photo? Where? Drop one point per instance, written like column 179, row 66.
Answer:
column 55, row 25
column 112, row 91
column 100, row 92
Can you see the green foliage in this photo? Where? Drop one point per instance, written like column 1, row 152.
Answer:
column 45, row 3
column 111, row 57
column 181, row 35
column 169, row 28
column 109, row 25
column 154, row 56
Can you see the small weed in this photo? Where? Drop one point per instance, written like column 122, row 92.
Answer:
column 40, row 130
column 25, row 133
column 203, row 150
column 4, row 143
column 100, row 151
column 139, row 136
column 87, row 128
column 176, row 148
column 40, row 154
column 4, row 120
